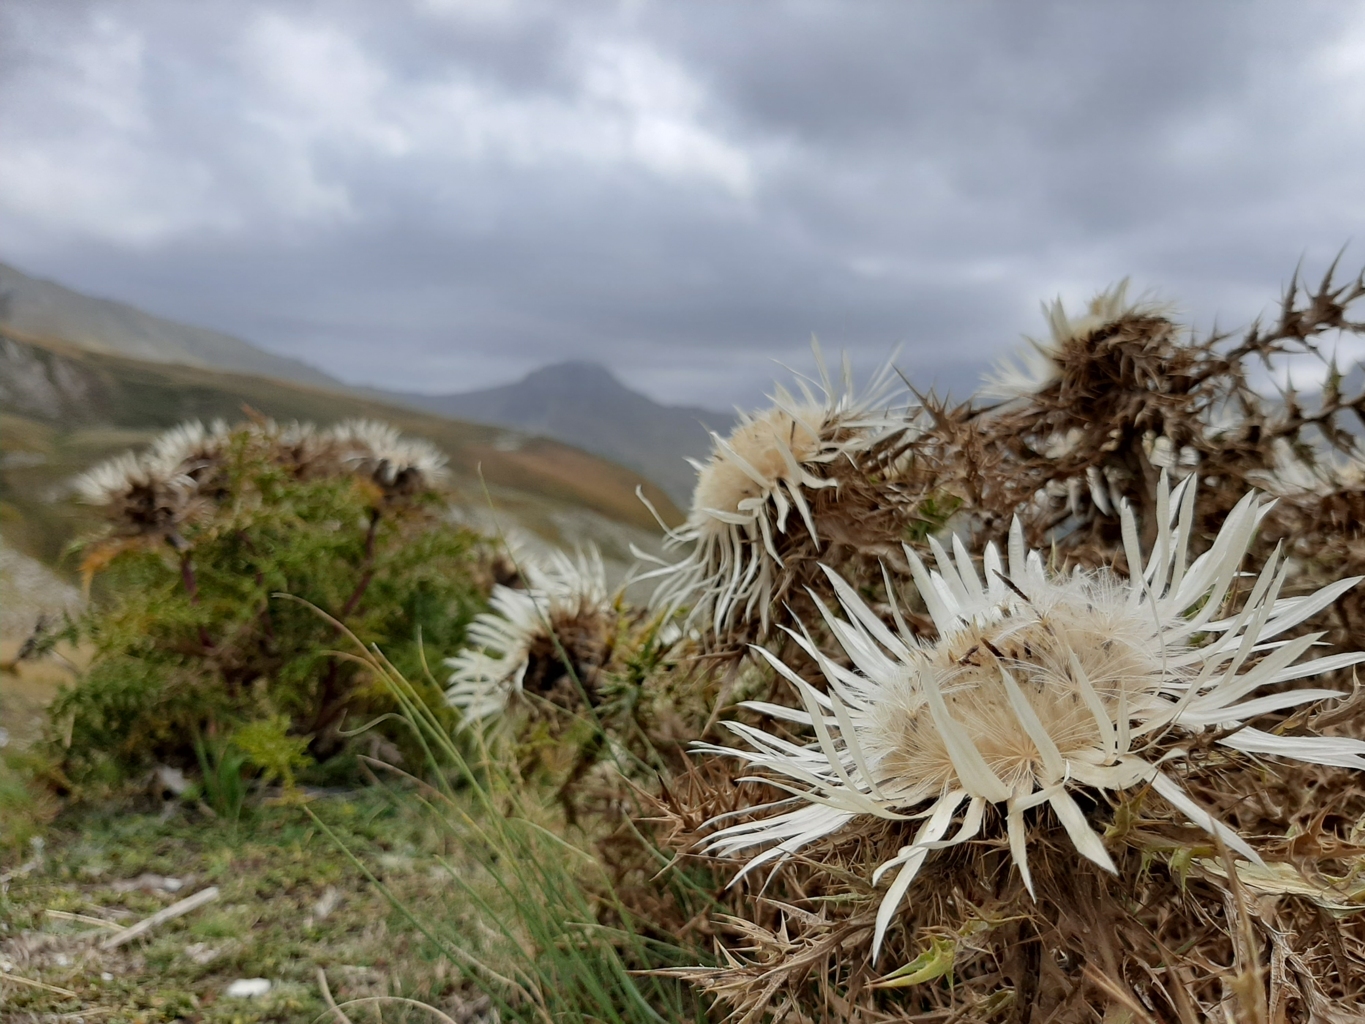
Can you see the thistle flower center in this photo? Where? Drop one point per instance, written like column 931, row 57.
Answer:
column 769, row 444
column 1088, row 644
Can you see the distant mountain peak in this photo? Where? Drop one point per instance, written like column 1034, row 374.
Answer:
column 574, row 373
column 586, row 404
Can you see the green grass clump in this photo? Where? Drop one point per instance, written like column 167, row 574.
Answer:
column 538, row 926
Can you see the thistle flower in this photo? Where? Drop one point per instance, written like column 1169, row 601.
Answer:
column 516, row 646
column 1311, row 474
column 1042, row 362
column 146, row 494
column 306, row 451
column 1040, row 684
column 758, row 486
column 187, row 445
column 398, row 465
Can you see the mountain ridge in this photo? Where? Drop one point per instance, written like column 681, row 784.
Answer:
column 44, row 309
column 63, row 409
column 579, row 403
column 566, row 401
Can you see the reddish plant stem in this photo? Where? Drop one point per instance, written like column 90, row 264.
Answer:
column 332, row 703
column 368, row 568
column 187, row 577
column 191, row 583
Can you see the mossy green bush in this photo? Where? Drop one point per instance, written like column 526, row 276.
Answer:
column 233, row 560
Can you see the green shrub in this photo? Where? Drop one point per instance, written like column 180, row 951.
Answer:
column 193, row 638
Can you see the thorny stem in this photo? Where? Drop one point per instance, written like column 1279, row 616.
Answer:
column 1324, row 309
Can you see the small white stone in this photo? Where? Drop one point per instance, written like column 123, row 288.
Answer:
column 248, row 988
column 106, row 976
column 63, row 960
column 170, row 780
column 201, row 953
column 328, row 903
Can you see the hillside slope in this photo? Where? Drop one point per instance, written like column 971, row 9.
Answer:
column 47, row 310
column 579, row 404
column 585, row 405
column 61, row 409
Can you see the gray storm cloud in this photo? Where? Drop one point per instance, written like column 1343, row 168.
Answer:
column 443, row 195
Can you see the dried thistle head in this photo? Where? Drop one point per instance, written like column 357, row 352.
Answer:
column 756, row 510
column 189, row 446
column 307, row 452
column 400, row 466
column 150, row 495
column 519, row 647
column 1110, row 320
column 1039, row 685
column 1098, row 411
column 1106, row 404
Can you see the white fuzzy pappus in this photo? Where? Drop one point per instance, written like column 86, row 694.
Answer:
column 1040, row 684
column 757, row 485
column 560, row 591
column 151, row 488
column 382, row 452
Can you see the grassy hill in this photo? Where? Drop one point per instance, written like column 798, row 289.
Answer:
column 65, row 408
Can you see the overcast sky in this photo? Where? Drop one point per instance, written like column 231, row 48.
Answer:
column 444, row 194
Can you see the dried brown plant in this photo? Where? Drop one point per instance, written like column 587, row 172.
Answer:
column 1174, row 936
column 1182, row 932
column 1126, row 393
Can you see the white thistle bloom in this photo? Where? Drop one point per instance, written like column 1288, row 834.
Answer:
column 167, row 463
column 1294, row 475
column 565, row 599
column 380, row 451
column 145, row 493
column 305, row 447
column 112, row 479
column 1040, row 683
column 187, row 442
column 1036, row 366
column 756, row 486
